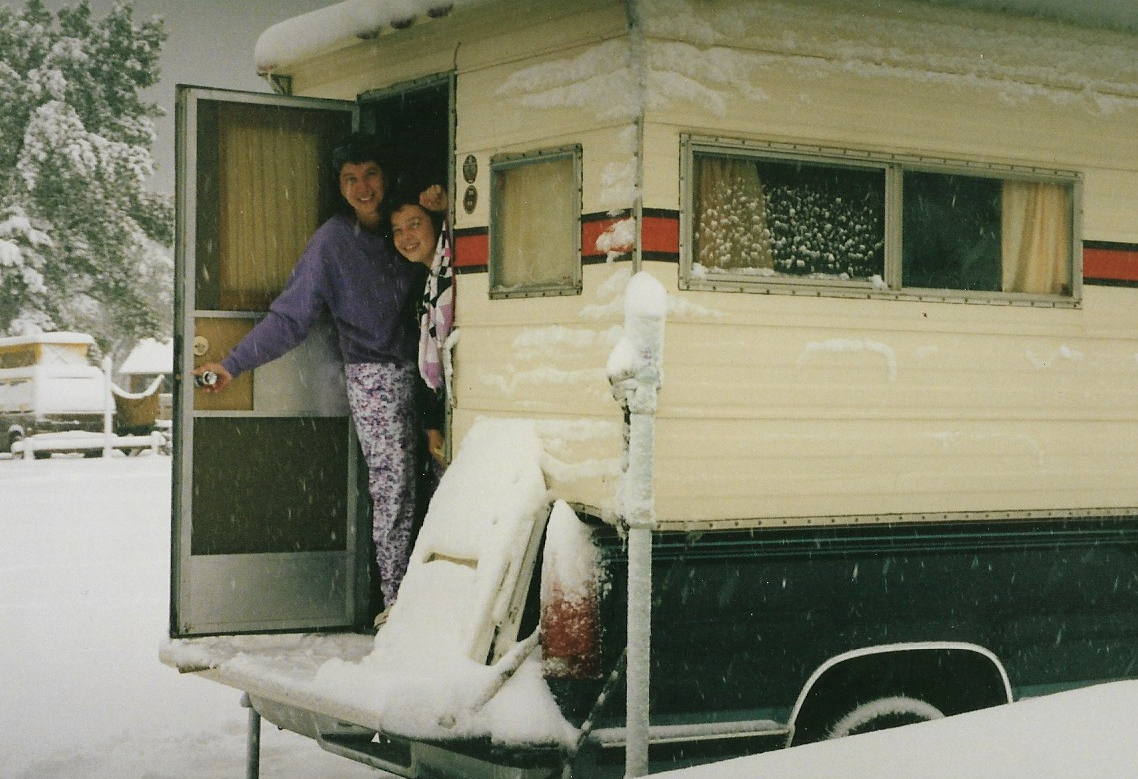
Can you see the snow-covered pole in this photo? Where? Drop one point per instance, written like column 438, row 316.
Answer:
column 108, row 409
column 635, row 371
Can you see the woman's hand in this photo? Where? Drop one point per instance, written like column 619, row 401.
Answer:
column 436, row 445
column 218, row 370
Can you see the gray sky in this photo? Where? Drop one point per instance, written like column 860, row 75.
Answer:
column 209, row 43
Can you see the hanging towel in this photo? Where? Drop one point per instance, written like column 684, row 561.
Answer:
column 438, row 312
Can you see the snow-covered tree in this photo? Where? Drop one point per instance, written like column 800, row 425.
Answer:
column 82, row 241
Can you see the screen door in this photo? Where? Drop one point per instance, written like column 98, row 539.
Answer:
column 269, row 516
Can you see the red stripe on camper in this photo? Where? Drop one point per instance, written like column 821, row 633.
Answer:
column 1110, row 263
column 660, row 234
column 472, row 249
column 661, row 237
column 592, row 230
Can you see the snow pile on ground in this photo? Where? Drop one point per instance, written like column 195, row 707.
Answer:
column 1080, row 734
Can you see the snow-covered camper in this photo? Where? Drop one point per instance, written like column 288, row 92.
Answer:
column 890, row 471
column 47, row 384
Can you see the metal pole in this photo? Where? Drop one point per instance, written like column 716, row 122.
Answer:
column 639, row 650
column 635, row 372
column 641, row 519
column 641, row 406
column 108, row 409
column 253, row 742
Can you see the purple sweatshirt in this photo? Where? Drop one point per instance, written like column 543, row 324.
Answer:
column 353, row 275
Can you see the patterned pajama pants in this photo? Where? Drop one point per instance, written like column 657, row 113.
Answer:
column 382, row 401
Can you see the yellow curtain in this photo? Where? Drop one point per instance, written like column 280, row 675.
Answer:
column 1036, row 233
column 536, row 224
column 265, row 157
column 730, row 215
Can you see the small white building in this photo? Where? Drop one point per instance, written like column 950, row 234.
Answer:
column 149, row 359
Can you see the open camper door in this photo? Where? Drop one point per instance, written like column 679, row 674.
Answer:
column 266, row 503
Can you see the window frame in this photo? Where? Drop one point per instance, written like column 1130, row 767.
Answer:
column 500, row 163
column 893, row 167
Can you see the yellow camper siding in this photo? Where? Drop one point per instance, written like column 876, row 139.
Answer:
column 1109, row 198
column 886, row 80
column 815, row 409
column 785, row 410
column 544, row 358
column 824, row 409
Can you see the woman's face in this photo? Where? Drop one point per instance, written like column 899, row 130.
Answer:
column 414, row 234
column 362, row 185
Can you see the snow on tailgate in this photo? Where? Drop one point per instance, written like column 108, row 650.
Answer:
column 424, row 676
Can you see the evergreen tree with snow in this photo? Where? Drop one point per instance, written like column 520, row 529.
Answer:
column 83, row 244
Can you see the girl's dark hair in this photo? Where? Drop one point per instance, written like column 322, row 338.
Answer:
column 409, row 196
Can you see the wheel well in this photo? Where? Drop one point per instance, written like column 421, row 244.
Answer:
column 951, row 677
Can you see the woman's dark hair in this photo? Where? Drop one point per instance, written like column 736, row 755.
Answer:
column 358, row 148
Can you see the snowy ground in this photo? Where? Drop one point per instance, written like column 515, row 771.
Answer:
column 84, row 582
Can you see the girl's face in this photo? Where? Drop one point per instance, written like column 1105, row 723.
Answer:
column 362, row 185
column 414, row 234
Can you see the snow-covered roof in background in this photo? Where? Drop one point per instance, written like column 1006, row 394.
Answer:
column 48, row 338
column 149, row 357
column 327, row 28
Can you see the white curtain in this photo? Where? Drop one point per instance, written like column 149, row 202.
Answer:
column 536, row 224
column 1036, row 238
column 730, row 215
column 268, row 187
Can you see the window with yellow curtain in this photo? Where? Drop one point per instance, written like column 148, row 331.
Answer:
column 986, row 234
column 772, row 217
column 788, row 219
column 268, row 188
column 535, row 224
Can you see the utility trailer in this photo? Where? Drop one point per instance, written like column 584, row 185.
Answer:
column 47, row 384
column 891, row 465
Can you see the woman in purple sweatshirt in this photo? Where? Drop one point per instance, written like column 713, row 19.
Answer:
column 349, row 271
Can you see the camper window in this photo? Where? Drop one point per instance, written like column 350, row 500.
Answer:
column 535, row 224
column 769, row 219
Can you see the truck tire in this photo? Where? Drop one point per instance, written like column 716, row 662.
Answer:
column 882, row 714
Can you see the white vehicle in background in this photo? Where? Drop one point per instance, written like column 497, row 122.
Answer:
column 47, row 384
